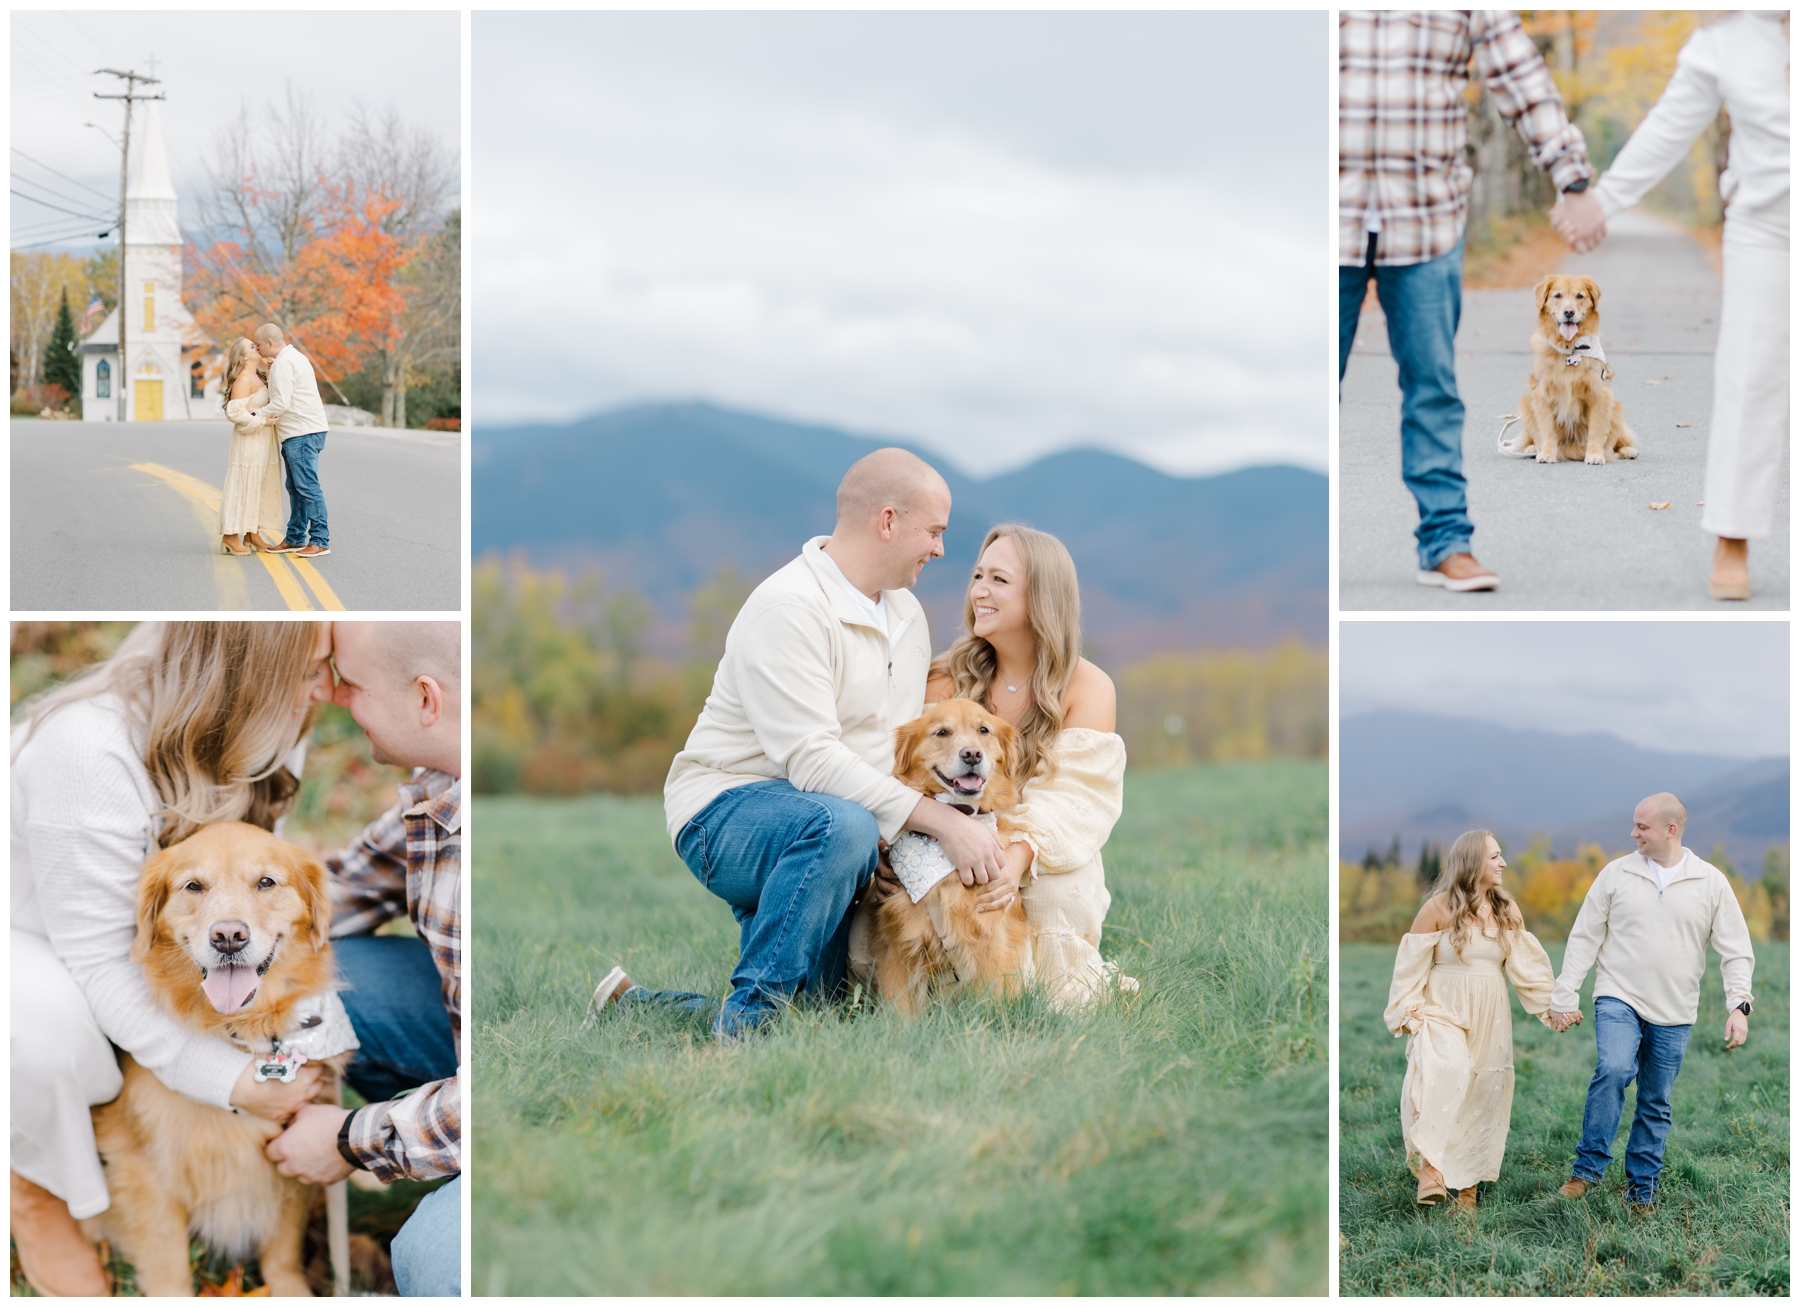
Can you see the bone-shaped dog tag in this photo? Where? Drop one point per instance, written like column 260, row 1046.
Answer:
column 279, row 1066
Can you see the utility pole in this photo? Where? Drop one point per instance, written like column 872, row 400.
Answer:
column 131, row 83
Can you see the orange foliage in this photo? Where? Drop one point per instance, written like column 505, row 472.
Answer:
column 334, row 297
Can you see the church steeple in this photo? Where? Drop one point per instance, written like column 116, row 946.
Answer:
column 150, row 198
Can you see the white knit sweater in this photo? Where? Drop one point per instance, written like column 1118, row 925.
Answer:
column 82, row 828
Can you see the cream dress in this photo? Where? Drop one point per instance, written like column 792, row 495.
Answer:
column 1456, row 1100
column 252, row 498
column 1066, row 818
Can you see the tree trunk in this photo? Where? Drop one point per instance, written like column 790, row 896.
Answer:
column 387, row 389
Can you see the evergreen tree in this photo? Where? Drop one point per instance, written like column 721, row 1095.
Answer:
column 1431, row 865
column 62, row 367
column 1393, row 857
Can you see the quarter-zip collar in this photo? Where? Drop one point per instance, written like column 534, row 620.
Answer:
column 825, row 572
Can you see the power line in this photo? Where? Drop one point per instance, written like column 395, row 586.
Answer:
column 47, row 168
column 54, row 240
column 52, row 192
column 71, row 212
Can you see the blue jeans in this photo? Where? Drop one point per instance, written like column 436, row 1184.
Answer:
column 397, row 1010
column 788, row 863
column 306, row 501
column 1629, row 1048
column 1423, row 303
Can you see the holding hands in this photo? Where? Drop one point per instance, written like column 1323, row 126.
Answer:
column 1579, row 220
column 1561, row 1021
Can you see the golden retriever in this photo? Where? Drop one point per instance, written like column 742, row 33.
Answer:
column 957, row 748
column 232, row 935
column 1568, row 411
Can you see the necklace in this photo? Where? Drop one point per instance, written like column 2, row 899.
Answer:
column 1012, row 689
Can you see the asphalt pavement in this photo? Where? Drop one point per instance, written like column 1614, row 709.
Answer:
column 1560, row 535
column 124, row 518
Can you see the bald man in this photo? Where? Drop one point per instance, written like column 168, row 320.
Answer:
column 1647, row 921
column 300, row 425
column 784, row 790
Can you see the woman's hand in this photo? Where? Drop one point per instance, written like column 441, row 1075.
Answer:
column 272, row 1100
column 1003, row 889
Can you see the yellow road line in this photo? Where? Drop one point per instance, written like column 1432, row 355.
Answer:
column 199, row 492
column 327, row 598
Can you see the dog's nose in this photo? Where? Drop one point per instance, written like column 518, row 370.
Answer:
column 971, row 757
column 229, row 936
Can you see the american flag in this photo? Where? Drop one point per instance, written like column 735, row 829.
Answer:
column 93, row 313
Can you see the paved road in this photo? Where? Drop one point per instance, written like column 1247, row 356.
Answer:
column 1560, row 535
column 109, row 517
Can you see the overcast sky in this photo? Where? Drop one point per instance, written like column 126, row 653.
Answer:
column 999, row 233
column 210, row 64
column 1683, row 687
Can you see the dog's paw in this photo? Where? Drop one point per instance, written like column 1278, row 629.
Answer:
column 1595, row 458
column 1628, row 451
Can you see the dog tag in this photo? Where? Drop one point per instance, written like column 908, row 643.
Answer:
column 279, row 1066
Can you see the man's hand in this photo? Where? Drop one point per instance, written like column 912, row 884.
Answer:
column 1737, row 1029
column 972, row 848
column 272, row 1100
column 1561, row 1021
column 307, row 1149
column 1580, row 221
column 1005, row 887
column 884, row 884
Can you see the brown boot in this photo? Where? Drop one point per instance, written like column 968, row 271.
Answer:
column 57, row 1259
column 1465, row 1199
column 1431, row 1187
column 1730, row 570
column 1576, row 1187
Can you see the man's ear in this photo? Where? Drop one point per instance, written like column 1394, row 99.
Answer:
column 1542, row 291
column 431, row 701
column 153, row 893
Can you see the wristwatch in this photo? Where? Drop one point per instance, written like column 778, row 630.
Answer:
column 344, row 1150
column 1743, row 1007
column 1576, row 187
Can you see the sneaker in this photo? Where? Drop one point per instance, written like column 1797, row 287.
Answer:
column 606, row 993
column 312, row 551
column 1460, row 573
column 283, row 548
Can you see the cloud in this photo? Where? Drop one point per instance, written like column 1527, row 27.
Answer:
column 791, row 246
column 1681, row 687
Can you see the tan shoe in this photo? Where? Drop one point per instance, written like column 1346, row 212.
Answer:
column 1640, row 1209
column 1460, row 573
column 1576, row 1187
column 56, row 1258
column 1465, row 1199
column 1730, row 570
column 1431, row 1187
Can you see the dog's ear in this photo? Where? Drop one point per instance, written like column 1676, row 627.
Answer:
column 313, row 883
column 1542, row 292
column 906, row 745
column 153, row 895
column 1010, row 749
column 1593, row 290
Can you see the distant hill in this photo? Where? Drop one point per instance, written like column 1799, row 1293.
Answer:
column 1425, row 777
column 659, row 496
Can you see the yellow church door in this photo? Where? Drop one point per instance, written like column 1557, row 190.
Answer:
column 149, row 401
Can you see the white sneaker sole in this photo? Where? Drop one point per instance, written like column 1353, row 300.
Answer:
column 603, row 993
column 1486, row 582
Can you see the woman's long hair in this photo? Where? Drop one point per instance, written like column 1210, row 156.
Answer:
column 1460, row 883
column 1053, row 607
column 212, row 705
column 237, row 358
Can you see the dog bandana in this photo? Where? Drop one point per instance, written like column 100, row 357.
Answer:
column 321, row 1030
column 1585, row 347
column 919, row 861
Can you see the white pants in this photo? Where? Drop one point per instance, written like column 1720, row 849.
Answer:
column 61, row 1066
column 1750, row 377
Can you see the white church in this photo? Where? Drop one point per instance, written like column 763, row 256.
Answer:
column 173, row 371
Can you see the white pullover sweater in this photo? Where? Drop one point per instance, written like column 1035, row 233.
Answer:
column 809, row 691
column 82, row 828
column 1650, row 942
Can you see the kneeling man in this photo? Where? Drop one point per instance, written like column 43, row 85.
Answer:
column 1647, row 921
column 783, row 793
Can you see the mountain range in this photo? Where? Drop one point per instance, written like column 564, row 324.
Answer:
column 1430, row 778
column 659, row 496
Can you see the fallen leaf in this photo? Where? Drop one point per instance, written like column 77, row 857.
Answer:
column 1654, row 382
column 1698, row 502
column 1506, row 416
column 1684, row 424
column 1664, row 504
column 233, row 1287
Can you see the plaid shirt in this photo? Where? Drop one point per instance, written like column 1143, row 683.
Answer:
column 409, row 860
column 1403, row 124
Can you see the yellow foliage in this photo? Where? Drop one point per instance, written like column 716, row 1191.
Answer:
column 1219, row 706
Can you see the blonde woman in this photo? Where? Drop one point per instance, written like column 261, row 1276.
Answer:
column 188, row 723
column 1738, row 63
column 251, row 502
column 1449, row 999
column 1020, row 656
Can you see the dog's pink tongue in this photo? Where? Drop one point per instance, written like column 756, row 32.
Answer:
column 230, row 988
column 1567, row 331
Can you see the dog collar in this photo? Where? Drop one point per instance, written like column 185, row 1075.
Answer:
column 321, row 1029
column 1584, row 347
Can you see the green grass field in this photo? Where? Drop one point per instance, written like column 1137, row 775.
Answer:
column 1721, row 1225
column 1170, row 1143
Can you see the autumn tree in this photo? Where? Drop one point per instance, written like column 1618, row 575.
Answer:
column 40, row 282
